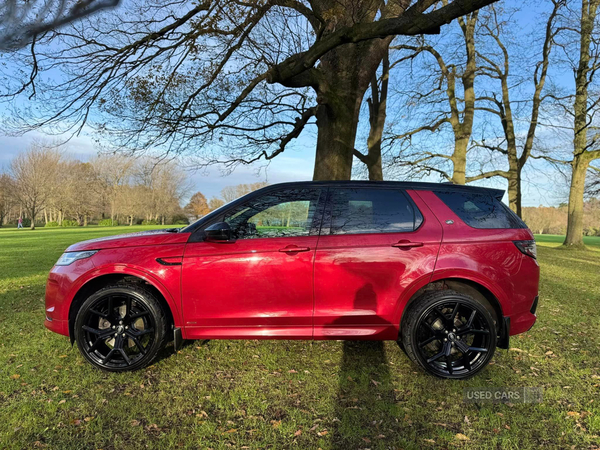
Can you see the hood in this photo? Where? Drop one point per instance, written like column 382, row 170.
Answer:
column 139, row 239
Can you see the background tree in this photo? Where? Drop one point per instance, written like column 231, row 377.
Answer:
column 215, row 203
column 231, row 193
column 443, row 96
column 7, row 199
column 83, row 198
column 34, row 173
column 514, row 145
column 197, row 206
column 113, row 171
column 191, row 75
column 377, row 108
column 586, row 139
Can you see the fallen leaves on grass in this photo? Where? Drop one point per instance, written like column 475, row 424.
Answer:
column 462, row 437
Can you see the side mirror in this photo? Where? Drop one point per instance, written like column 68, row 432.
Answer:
column 218, row 232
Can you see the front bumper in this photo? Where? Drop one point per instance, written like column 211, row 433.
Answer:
column 58, row 326
column 60, row 289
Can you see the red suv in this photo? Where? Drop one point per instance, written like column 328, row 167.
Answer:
column 447, row 271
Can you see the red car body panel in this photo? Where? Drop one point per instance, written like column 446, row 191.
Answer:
column 249, row 288
column 488, row 257
column 132, row 254
column 326, row 287
column 361, row 280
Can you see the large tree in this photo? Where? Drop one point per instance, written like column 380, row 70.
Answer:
column 586, row 137
column 193, row 77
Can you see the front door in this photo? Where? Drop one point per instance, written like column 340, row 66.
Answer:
column 375, row 243
column 261, row 283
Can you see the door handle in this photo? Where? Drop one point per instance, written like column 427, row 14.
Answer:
column 294, row 249
column 407, row 244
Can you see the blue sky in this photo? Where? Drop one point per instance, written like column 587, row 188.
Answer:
column 297, row 162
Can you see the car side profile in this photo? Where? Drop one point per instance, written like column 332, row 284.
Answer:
column 447, row 271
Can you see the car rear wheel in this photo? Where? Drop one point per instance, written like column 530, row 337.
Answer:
column 121, row 327
column 449, row 334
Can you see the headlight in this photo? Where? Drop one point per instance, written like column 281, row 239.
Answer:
column 71, row 257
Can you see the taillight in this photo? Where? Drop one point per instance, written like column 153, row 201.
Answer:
column 527, row 247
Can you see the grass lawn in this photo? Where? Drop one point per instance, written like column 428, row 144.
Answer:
column 294, row 394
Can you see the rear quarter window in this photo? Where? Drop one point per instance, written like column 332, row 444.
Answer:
column 480, row 210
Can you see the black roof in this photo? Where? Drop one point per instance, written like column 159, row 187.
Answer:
column 414, row 185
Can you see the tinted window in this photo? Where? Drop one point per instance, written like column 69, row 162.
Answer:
column 480, row 210
column 372, row 211
column 288, row 212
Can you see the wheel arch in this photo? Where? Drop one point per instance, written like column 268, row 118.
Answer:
column 465, row 286
column 97, row 282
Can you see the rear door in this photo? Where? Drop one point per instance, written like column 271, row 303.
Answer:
column 375, row 244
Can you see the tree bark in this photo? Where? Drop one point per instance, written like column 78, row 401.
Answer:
column 582, row 156
column 574, row 236
column 377, row 117
column 33, row 212
column 459, row 160
column 335, row 142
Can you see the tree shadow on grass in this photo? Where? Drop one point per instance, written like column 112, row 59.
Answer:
column 365, row 404
column 366, row 411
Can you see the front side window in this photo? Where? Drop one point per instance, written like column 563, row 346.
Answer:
column 284, row 213
column 360, row 210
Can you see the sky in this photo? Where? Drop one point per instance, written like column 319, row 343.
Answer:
column 297, row 162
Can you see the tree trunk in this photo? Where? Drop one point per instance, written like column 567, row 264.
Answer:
column 459, row 160
column 514, row 186
column 343, row 76
column 574, row 236
column 519, row 206
column 581, row 126
column 85, row 220
column 335, row 141
column 33, row 212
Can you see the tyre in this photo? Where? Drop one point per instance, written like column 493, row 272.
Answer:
column 121, row 327
column 449, row 334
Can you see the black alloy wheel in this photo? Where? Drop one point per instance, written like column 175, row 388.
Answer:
column 449, row 334
column 120, row 328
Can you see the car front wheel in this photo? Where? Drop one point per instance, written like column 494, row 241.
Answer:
column 121, row 327
column 449, row 334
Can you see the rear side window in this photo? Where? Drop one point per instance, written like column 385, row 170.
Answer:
column 355, row 211
column 480, row 210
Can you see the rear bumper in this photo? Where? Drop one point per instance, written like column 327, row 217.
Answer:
column 522, row 323
column 517, row 324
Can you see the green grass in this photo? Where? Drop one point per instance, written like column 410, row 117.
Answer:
column 592, row 241
column 293, row 394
